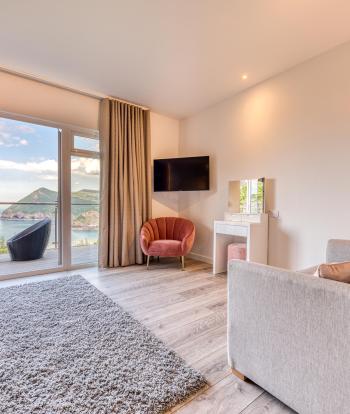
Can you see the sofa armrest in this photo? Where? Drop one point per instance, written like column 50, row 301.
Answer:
column 289, row 333
column 145, row 238
column 187, row 242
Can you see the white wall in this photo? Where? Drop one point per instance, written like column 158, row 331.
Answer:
column 294, row 130
column 165, row 144
column 28, row 97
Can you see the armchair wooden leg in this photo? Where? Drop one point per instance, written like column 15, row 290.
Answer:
column 148, row 262
column 182, row 262
column 238, row 374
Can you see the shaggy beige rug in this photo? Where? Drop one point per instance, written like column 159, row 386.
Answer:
column 67, row 348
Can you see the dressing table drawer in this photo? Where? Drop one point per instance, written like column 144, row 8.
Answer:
column 232, row 229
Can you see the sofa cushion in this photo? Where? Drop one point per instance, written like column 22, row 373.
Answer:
column 335, row 271
column 165, row 248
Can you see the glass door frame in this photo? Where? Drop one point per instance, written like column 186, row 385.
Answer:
column 66, row 133
column 67, row 205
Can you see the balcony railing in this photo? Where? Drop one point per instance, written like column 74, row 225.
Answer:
column 55, row 213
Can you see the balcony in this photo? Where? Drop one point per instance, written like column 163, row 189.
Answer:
column 84, row 236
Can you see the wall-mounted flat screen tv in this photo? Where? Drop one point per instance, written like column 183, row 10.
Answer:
column 181, row 174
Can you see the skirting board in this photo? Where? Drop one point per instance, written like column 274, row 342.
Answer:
column 200, row 257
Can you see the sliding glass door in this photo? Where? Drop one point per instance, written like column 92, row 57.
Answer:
column 85, row 199
column 48, row 171
column 29, row 192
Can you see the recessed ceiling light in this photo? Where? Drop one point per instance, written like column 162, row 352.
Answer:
column 244, row 76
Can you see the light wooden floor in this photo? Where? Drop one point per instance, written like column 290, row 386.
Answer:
column 187, row 310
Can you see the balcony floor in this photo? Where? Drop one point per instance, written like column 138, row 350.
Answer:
column 80, row 255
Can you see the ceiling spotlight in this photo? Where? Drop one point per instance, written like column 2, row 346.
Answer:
column 244, row 76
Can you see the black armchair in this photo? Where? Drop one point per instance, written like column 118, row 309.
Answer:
column 30, row 244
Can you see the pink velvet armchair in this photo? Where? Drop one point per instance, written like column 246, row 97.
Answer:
column 167, row 237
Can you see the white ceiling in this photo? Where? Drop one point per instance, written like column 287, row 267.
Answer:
column 175, row 56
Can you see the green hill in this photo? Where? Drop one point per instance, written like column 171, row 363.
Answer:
column 84, row 207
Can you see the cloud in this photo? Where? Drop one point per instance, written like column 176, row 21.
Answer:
column 85, row 166
column 35, row 167
column 49, row 177
column 26, row 129
column 11, row 133
column 80, row 166
column 9, row 140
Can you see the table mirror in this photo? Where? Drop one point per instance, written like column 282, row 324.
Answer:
column 247, row 196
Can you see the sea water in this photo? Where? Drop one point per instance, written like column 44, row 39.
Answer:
column 9, row 228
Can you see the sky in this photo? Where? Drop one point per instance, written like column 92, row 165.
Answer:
column 29, row 160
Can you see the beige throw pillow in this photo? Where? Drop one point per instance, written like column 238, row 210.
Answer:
column 335, row 271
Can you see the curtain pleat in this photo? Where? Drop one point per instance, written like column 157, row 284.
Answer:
column 125, row 182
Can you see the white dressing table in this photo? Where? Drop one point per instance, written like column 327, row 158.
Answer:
column 249, row 229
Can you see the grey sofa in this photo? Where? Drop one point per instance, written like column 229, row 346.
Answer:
column 289, row 332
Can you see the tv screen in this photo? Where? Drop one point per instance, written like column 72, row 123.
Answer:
column 181, row 174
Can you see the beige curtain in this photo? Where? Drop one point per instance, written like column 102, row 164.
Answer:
column 125, row 182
